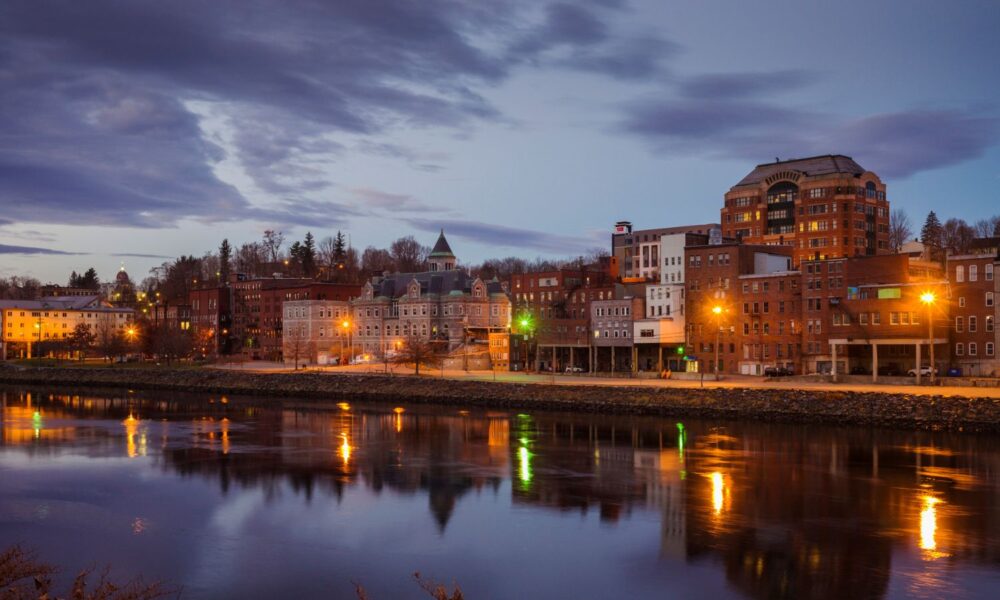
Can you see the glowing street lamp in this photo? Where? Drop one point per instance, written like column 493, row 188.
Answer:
column 928, row 298
column 347, row 331
column 717, row 311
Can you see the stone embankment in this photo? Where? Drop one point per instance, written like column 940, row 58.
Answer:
column 806, row 406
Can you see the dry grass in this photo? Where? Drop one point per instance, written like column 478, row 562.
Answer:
column 23, row 577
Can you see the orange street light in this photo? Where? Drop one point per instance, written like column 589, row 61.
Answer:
column 717, row 311
column 928, row 298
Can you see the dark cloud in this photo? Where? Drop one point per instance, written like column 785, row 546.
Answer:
column 578, row 37
column 737, row 85
column 97, row 97
column 7, row 249
column 904, row 143
column 727, row 116
column 501, row 236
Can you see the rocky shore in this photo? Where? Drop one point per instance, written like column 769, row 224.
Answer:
column 804, row 406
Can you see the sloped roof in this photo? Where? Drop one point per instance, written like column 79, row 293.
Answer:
column 59, row 303
column 441, row 247
column 440, row 283
column 814, row 166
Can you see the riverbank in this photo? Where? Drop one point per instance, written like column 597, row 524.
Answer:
column 890, row 409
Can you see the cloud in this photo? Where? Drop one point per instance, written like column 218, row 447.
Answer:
column 392, row 203
column 735, row 116
column 96, row 98
column 140, row 255
column 904, row 143
column 501, row 236
column 739, row 85
column 7, row 249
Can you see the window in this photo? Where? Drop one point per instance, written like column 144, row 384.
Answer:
column 988, row 272
column 989, row 298
column 961, row 301
column 989, row 349
column 973, row 276
column 959, row 324
column 989, row 323
column 959, row 349
column 959, row 274
column 972, row 349
column 972, row 327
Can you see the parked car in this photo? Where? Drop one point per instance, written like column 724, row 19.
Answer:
column 859, row 370
column 574, row 369
column 889, row 371
column 777, row 371
column 925, row 371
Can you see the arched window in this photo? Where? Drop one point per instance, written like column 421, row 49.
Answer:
column 870, row 189
column 784, row 191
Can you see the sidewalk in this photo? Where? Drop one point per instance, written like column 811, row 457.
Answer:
column 730, row 381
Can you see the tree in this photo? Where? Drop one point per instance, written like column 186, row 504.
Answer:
column 88, row 280
column 408, row 254
column 171, row 343
column 81, row 339
column 375, row 261
column 19, row 288
column 419, row 353
column 308, row 259
column 339, row 248
column 930, row 233
column 295, row 344
column 957, row 236
column 225, row 260
column 108, row 338
column 900, row 229
column 273, row 241
column 250, row 259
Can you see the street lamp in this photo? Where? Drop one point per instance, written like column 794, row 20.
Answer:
column 347, row 331
column 928, row 298
column 717, row 311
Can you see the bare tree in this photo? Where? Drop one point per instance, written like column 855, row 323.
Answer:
column 408, row 254
column 108, row 338
column 900, row 229
column 957, row 236
column 295, row 343
column 273, row 241
column 250, row 259
column 988, row 227
column 375, row 261
column 419, row 353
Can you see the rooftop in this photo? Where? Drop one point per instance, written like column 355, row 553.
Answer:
column 813, row 166
column 441, row 247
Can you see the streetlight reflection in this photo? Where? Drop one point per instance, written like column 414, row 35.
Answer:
column 928, row 524
column 718, row 491
column 345, row 449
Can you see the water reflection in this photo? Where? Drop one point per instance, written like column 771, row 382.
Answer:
column 776, row 511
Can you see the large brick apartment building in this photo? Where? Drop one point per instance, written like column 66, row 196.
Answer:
column 823, row 207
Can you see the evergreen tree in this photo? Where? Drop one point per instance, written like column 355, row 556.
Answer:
column 74, row 279
column 308, row 255
column 339, row 248
column 225, row 259
column 932, row 230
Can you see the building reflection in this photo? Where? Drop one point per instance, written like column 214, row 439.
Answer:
column 784, row 511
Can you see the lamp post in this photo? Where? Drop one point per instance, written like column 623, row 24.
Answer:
column 347, row 331
column 928, row 299
column 717, row 311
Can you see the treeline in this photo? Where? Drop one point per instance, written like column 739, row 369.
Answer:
column 954, row 236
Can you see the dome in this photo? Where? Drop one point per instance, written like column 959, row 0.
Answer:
column 122, row 276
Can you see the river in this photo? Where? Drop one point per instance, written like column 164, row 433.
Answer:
column 256, row 498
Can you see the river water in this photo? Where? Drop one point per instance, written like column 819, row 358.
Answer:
column 250, row 498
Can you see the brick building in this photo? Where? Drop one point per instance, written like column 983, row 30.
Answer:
column 313, row 332
column 612, row 321
column 748, row 298
column 552, row 311
column 974, row 292
column 257, row 313
column 210, row 315
column 864, row 315
column 823, row 207
column 641, row 254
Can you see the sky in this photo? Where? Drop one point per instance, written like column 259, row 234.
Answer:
column 135, row 131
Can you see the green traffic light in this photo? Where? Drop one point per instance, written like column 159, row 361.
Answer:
column 680, row 349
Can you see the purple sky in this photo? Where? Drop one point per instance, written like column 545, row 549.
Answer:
column 135, row 131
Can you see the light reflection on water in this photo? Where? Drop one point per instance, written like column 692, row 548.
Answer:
column 233, row 497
